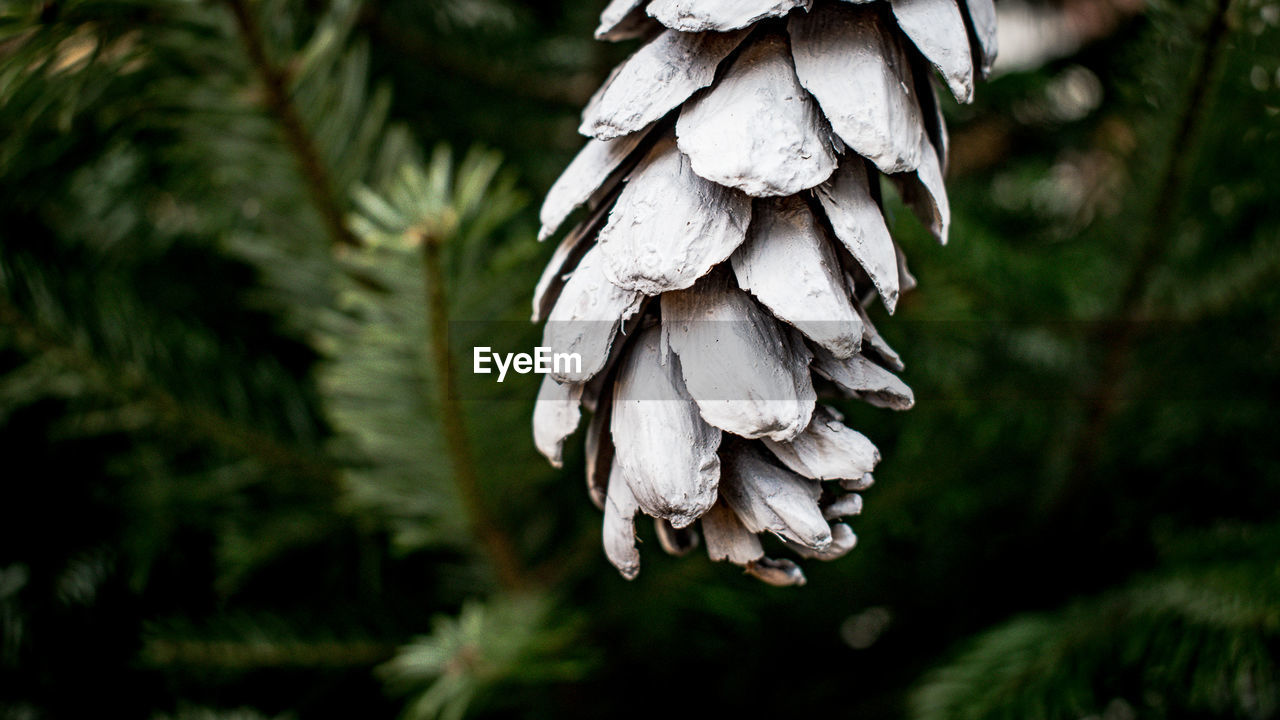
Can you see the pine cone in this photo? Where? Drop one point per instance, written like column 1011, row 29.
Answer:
column 734, row 235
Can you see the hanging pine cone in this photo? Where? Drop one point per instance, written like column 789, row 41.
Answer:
column 735, row 234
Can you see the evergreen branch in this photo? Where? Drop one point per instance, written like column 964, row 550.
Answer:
column 1175, row 180
column 231, row 435
column 188, row 712
column 251, row 654
column 1198, row 638
column 500, row 547
column 510, row 78
column 505, row 640
column 274, row 79
column 1103, row 399
column 579, row 552
column 129, row 384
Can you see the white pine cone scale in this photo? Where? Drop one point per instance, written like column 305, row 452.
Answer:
column 734, row 234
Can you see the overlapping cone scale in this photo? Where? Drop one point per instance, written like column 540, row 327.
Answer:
column 734, row 236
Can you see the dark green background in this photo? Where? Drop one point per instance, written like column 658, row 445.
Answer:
column 1091, row 468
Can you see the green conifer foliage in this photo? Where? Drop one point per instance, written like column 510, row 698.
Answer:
column 239, row 480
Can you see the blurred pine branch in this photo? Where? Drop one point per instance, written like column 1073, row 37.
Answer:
column 1132, row 304
column 1195, row 639
column 423, row 215
column 513, row 639
column 184, row 286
